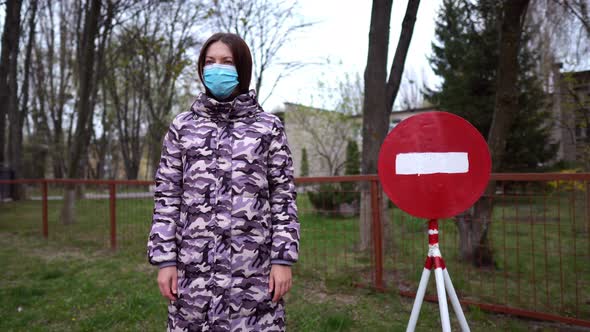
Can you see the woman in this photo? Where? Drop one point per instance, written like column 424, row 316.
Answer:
column 225, row 229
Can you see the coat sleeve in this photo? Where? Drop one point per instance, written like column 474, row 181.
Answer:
column 161, row 247
column 285, row 225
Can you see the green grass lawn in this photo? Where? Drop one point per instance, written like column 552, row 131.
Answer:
column 46, row 286
column 73, row 282
column 541, row 249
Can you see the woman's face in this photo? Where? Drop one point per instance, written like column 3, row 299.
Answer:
column 219, row 53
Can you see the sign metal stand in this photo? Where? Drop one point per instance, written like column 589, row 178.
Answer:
column 435, row 261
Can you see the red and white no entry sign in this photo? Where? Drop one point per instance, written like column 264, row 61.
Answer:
column 434, row 165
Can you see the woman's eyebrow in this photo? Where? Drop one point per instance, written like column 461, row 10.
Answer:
column 225, row 57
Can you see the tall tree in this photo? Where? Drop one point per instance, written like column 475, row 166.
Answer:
column 17, row 113
column 165, row 50
column 505, row 106
column 86, row 74
column 34, row 5
column 380, row 91
column 53, row 78
column 103, row 36
column 124, row 84
column 507, row 94
column 489, row 78
column 161, row 33
column 147, row 54
column 8, row 71
column 466, row 57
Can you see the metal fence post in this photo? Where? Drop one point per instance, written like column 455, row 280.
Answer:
column 113, row 214
column 377, row 235
column 45, row 217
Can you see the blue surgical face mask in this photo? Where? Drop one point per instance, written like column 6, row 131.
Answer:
column 220, row 79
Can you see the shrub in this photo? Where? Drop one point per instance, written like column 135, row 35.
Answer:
column 331, row 197
column 568, row 185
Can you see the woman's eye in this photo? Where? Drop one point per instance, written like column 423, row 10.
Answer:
column 229, row 62
column 208, row 62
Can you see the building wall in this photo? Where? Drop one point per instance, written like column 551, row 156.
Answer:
column 299, row 139
column 570, row 108
column 324, row 134
column 300, row 121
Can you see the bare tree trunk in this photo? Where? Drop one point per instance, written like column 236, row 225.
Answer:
column 8, row 63
column 365, row 219
column 392, row 89
column 476, row 227
column 506, row 101
column 399, row 59
column 18, row 114
column 380, row 95
column 374, row 106
column 86, row 75
column 15, row 127
column 27, row 68
column 99, row 65
column 473, row 226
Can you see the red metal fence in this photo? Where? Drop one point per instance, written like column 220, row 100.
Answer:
column 539, row 237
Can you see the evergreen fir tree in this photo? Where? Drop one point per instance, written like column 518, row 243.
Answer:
column 353, row 159
column 352, row 167
column 466, row 56
column 304, row 163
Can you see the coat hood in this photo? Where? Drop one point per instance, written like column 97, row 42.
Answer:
column 243, row 106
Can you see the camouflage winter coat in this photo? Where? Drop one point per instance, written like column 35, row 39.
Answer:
column 224, row 212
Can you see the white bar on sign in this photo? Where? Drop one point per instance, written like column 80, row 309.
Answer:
column 431, row 163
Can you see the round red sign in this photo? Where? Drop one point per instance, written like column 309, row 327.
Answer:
column 434, row 165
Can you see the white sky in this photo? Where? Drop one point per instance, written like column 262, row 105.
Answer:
column 342, row 36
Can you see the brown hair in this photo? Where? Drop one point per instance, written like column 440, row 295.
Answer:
column 241, row 56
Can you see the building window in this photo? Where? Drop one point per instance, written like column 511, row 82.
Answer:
column 578, row 132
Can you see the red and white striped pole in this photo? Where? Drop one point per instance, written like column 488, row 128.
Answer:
column 442, row 278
